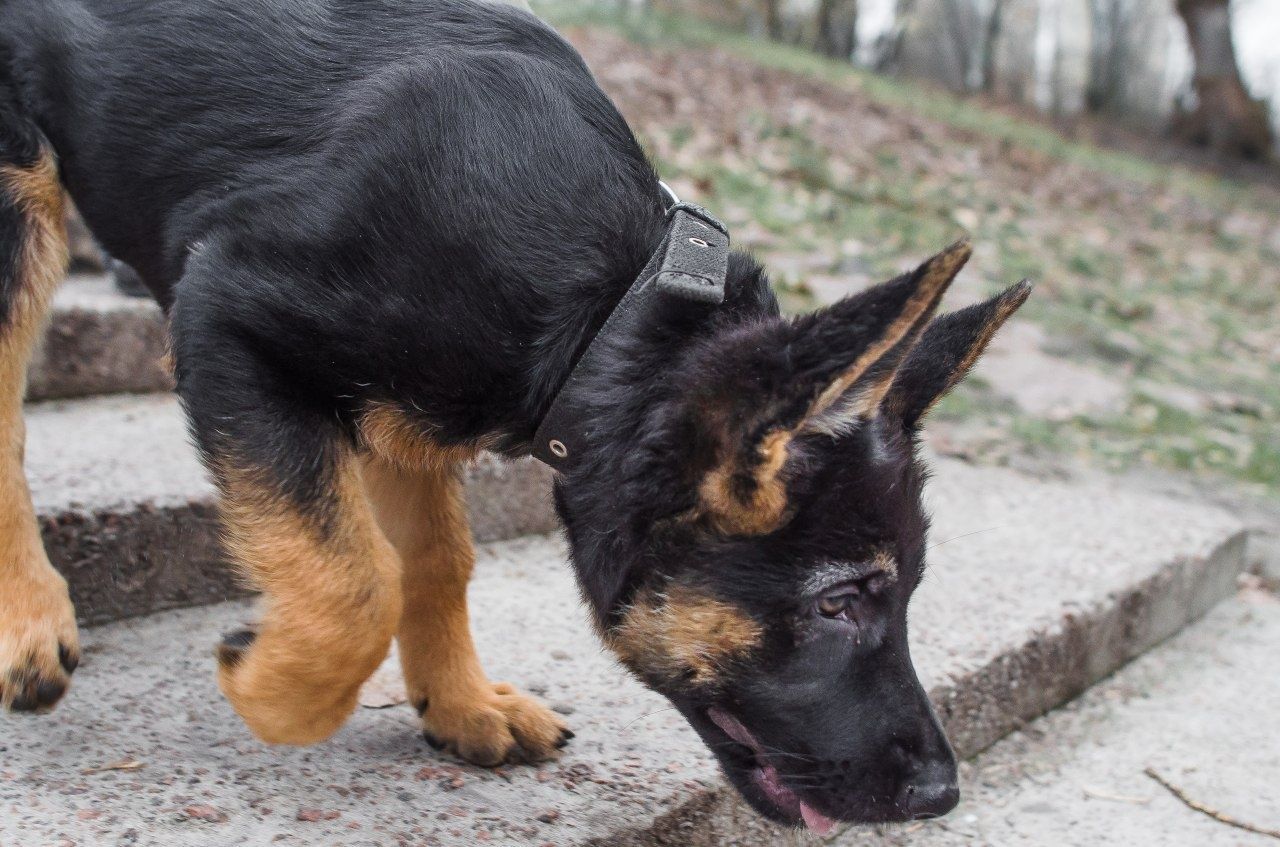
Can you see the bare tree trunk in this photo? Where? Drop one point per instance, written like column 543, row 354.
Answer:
column 887, row 51
column 1226, row 118
column 961, row 41
column 1108, row 55
column 989, row 41
column 838, row 28
column 773, row 19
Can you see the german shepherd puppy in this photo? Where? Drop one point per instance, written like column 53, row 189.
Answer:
column 385, row 233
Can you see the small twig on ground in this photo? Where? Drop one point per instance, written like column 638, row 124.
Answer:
column 1196, row 805
column 1119, row 798
column 126, row 765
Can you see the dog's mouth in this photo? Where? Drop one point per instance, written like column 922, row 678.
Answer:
column 766, row 779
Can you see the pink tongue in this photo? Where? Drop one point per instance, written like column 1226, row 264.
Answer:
column 815, row 820
column 768, row 779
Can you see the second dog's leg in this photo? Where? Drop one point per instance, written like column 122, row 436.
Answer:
column 423, row 514
column 38, row 642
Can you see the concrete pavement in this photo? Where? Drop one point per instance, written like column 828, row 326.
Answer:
column 1201, row 711
column 146, row 752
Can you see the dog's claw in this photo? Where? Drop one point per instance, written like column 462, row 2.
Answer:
column 68, row 658
column 33, row 692
column 495, row 726
column 37, row 656
column 233, row 646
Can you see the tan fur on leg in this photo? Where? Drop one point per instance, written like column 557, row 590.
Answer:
column 423, row 514
column 332, row 588
column 38, row 642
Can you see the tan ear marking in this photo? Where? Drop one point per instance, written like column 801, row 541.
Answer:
column 942, row 268
column 749, row 500
column 948, row 349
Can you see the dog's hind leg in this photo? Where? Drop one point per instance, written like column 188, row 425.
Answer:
column 423, row 514
column 38, row 642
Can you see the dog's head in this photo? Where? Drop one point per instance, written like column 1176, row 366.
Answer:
column 769, row 600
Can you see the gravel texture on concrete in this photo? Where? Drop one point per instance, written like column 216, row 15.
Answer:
column 1201, row 711
column 1035, row 591
column 99, row 342
column 127, row 512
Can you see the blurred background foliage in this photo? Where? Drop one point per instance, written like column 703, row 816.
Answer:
column 1152, row 343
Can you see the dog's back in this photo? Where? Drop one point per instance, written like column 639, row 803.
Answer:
column 162, row 110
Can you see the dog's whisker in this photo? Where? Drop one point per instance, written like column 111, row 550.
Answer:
column 628, row 724
column 773, row 752
column 966, row 535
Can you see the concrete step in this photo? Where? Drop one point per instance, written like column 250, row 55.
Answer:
column 127, row 512
column 1200, row 712
column 1036, row 590
column 99, row 342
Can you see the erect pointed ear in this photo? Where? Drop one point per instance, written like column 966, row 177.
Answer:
column 947, row 350
column 764, row 384
column 856, row 392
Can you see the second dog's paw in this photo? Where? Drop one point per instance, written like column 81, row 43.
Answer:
column 39, row 647
column 494, row 726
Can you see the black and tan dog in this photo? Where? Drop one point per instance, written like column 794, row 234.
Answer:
column 387, row 233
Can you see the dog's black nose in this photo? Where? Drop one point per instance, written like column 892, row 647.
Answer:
column 929, row 794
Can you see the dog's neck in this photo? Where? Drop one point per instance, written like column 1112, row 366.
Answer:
column 635, row 463
column 685, row 276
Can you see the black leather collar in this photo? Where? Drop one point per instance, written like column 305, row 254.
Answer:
column 689, row 265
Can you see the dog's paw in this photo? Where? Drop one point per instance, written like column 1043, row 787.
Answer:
column 494, row 726
column 283, row 697
column 39, row 645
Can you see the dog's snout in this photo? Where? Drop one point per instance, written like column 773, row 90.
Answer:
column 930, row 792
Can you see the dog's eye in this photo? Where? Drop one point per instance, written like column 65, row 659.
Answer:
column 835, row 605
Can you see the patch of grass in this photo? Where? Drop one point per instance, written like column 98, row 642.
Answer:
column 973, row 401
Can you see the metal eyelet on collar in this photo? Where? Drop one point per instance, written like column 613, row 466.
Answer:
column 557, row 448
column 698, row 242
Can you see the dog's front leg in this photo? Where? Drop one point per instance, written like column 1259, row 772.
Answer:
column 332, row 594
column 423, row 514
column 296, row 522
